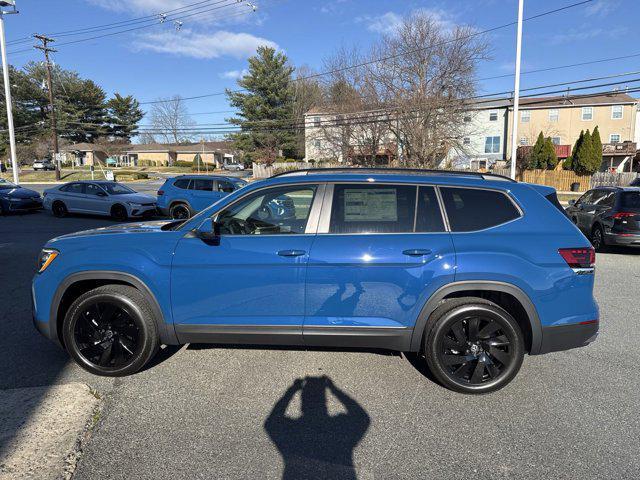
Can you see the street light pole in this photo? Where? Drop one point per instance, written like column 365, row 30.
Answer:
column 7, row 87
column 516, row 93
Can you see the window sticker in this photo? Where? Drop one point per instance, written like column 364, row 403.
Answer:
column 371, row 205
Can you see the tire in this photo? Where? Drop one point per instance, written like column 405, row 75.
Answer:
column 471, row 365
column 180, row 211
column 2, row 212
column 120, row 318
column 59, row 209
column 119, row 212
column 597, row 238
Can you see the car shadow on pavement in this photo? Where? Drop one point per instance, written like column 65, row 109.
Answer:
column 317, row 445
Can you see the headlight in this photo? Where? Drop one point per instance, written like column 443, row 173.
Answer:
column 134, row 204
column 47, row 255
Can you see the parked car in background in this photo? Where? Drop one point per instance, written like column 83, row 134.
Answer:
column 470, row 270
column 233, row 167
column 14, row 198
column 608, row 216
column 182, row 197
column 99, row 198
column 635, row 182
column 43, row 165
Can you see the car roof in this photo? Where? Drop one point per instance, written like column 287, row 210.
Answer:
column 207, row 177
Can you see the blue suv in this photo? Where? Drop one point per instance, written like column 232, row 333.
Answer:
column 181, row 197
column 470, row 270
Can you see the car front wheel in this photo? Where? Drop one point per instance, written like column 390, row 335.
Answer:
column 472, row 345
column 180, row 211
column 110, row 331
column 119, row 212
column 59, row 209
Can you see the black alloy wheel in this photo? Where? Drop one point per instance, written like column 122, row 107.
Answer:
column 59, row 209
column 111, row 331
column 473, row 345
column 597, row 238
column 180, row 211
column 119, row 212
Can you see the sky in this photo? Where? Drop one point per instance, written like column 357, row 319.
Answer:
column 211, row 47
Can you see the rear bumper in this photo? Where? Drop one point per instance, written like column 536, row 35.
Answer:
column 566, row 337
column 622, row 240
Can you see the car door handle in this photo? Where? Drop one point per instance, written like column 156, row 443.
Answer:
column 291, row 253
column 417, row 252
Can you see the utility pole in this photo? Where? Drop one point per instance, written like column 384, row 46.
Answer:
column 7, row 86
column 54, row 131
column 516, row 93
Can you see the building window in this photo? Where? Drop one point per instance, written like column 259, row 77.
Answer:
column 614, row 138
column 525, row 116
column 492, row 145
column 493, row 116
column 555, row 140
column 524, row 141
column 467, row 119
column 587, row 113
column 316, row 122
column 616, row 112
column 317, row 144
column 466, row 141
column 553, row 115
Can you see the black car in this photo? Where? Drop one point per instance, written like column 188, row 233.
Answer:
column 14, row 198
column 608, row 216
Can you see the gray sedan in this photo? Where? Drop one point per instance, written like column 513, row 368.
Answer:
column 98, row 198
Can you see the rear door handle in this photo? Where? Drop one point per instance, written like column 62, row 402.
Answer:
column 291, row 253
column 417, row 252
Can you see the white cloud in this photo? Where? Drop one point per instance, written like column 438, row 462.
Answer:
column 389, row 22
column 202, row 45
column 582, row 34
column 234, row 74
column 601, row 7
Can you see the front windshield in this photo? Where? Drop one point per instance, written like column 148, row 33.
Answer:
column 116, row 188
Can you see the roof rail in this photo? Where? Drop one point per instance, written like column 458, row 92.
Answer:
column 423, row 171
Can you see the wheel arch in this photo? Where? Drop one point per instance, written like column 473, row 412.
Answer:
column 78, row 283
column 501, row 293
column 180, row 200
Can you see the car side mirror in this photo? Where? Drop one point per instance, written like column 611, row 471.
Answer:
column 209, row 232
column 572, row 203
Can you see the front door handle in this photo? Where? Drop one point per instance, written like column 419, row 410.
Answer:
column 291, row 253
column 417, row 252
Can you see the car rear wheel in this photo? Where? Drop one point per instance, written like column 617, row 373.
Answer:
column 111, row 331
column 180, row 211
column 118, row 212
column 473, row 345
column 59, row 209
column 597, row 238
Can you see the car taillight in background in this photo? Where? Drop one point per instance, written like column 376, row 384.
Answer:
column 160, row 192
column 623, row 215
column 582, row 259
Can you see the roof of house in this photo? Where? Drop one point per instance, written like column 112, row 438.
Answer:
column 82, row 147
column 181, row 148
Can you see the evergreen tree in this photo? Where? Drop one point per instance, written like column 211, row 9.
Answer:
column 583, row 160
column 550, row 158
column 569, row 162
column 596, row 144
column 266, row 108
column 537, row 156
column 124, row 114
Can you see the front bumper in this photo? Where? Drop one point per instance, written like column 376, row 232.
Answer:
column 622, row 240
column 22, row 205
column 143, row 211
column 565, row 337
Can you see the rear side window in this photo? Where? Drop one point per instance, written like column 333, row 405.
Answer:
column 361, row 208
column 224, row 186
column 202, row 184
column 72, row 188
column 182, row 183
column 474, row 209
column 429, row 216
column 630, row 200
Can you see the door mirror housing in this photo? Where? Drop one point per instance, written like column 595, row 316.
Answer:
column 208, row 232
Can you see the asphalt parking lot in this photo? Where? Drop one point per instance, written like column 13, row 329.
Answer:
column 203, row 412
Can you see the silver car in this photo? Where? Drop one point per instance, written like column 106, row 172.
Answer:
column 98, row 198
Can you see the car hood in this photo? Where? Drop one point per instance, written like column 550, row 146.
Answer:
column 135, row 198
column 137, row 227
column 20, row 192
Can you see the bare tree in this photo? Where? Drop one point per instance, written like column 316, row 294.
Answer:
column 170, row 118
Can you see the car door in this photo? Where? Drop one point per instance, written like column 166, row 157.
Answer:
column 96, row 199
column 380, row 252
column 589, row 209
column 248, row 286
column 202, row 194
column 72, row 196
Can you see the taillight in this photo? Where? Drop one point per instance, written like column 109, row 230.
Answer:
column 579, row 257
column 160, row 192
column 623, row 215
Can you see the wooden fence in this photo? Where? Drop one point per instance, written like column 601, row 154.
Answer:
column 562, row 180
column 260, row 170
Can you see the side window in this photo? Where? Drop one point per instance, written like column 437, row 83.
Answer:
column 475, row 209
column 586, row 198
column 598, row 196
column 201, row 184
column 429, row 216
column 224, row 186
column 276, row 211
column 182, row 183
column 72, row 188
column 91, row 189
column 361, row 208
column 609, row 200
